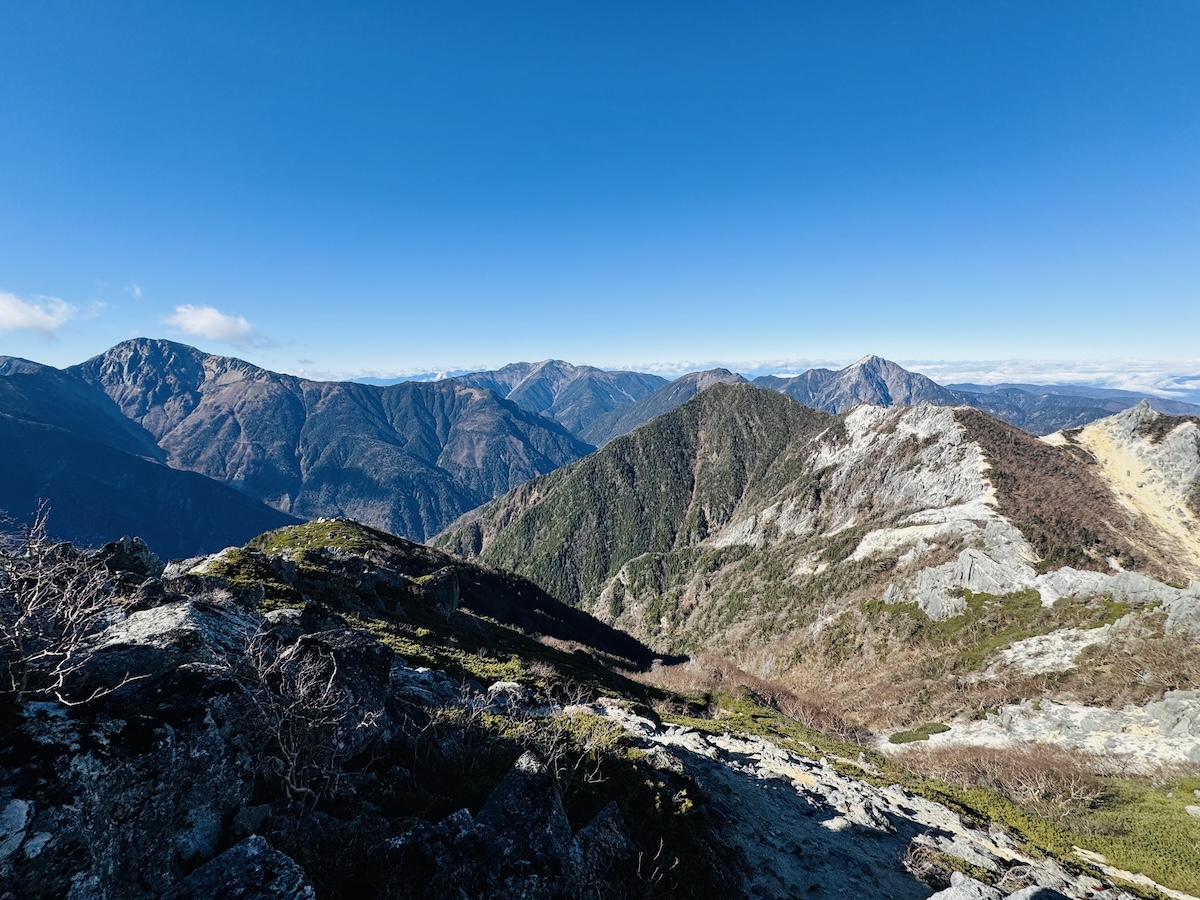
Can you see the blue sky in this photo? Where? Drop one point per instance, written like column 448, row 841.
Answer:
column 396, row 187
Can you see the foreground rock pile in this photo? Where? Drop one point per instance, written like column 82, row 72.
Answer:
column 201, row 749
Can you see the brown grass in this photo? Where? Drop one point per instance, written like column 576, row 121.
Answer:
column 1048, row 779
column 1054, row 496
column 711, row 673
column 1138, row 669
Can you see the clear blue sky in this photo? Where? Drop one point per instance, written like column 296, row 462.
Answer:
column 400, row 186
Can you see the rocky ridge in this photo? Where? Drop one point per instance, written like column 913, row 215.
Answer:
column 893, row 558
column 809, row 828
column 206, row 744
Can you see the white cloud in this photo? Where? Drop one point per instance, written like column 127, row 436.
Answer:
column 135, row 290
column 42, row 314
column 1170, row 379
column 209, row 322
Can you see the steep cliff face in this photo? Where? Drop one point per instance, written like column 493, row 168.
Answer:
column 407, row 457
column 1151, row 462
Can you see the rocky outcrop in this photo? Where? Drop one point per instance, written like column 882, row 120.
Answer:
column 807, row 828
column 200, row 748
column 520, row 845
column 251, row 870
column 1165, row 731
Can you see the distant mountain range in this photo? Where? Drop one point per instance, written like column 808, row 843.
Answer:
column 574, row 396
column 870, row 380
column 117, row 445
column 409, row 458
column 597, row 406
column 668, row 397
column 65, row 442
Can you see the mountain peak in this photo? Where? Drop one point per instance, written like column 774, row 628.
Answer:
column 871, row 361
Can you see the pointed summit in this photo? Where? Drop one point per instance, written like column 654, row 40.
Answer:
column 872, row 379
column 870, row 361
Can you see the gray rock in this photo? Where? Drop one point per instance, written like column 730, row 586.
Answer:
column 151, row 642
column 963, row 887
column 130, row 555
column 177, row 568
column 161, row 772
column 528, row 796
column 440, row 590
column 1037, row 893
column 1193, row 811
column 601, row 851
column 251, row 870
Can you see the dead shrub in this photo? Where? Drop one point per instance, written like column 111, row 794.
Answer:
column 712, row 673
column 310, row 717
column 1139, row 669
column 1053, row 781
column 54, row 600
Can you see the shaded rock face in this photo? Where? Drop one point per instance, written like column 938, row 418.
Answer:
column 440, row 590
column 520, row 845
column 219, row 752
column 808, row 829
column 252, row 870
column 121, row 801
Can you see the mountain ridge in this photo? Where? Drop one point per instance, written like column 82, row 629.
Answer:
column 668, row 397
column 932, row 513
column 574, row 396
column 407, row 457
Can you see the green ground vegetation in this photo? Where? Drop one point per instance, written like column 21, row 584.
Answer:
column 990, row 622
column 920, row 733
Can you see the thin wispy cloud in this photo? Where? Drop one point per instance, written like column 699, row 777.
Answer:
column 209, row 322
column 45, row 315
column 134, row 290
